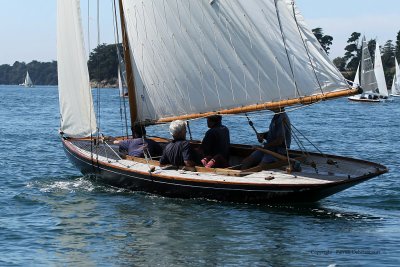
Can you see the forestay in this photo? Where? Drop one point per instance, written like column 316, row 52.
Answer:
column 197, row 56
column 75, row 96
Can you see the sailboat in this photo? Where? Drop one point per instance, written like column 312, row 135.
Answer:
column 121, row 87
column 395, row 91
column 372, row 77
column 27, row 82
column 189, row 59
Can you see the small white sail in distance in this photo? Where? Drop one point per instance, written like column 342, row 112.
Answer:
column 396, row 80
column 75, row 95
column 356, row 82
column 28, row 82
column 120, row 84
column 379, row 74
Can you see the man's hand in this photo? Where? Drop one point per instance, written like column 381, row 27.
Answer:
column 261, row 137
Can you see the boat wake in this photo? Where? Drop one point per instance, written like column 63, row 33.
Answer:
column 71, row 185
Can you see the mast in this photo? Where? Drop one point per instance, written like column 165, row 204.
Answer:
column 129, row 70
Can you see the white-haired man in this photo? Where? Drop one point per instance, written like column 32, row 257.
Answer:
column 179, row 151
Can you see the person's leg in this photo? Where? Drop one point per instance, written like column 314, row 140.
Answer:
column 252, row 160
column 218, row 161
column 267, row 159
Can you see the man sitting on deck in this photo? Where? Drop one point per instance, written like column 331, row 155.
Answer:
column 139, row 145
column 278, row 140
column 179, row 151
column 215, row 145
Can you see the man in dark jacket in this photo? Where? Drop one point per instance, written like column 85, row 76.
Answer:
column 277, row 139
column 215, row 144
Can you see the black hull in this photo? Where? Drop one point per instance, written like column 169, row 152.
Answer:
column 247, row 193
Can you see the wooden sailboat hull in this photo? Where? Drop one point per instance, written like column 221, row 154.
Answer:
column 104, row 172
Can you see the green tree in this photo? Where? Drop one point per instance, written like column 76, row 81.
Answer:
column 103, row 63
column 324, row 40
column 388, row 52
column 353, row 52
column 340, row 63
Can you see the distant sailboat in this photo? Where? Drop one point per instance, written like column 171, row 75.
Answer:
column 122, row 90
column 396, row 81
column 368, row 81
column 27, row 82
column 189, row 59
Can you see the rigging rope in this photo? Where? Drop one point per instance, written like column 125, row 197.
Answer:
column 285, row 45
column 97, row 87
column 90, row 113
column 306, row 48
column 121, row 73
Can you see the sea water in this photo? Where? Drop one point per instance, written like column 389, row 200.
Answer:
column 50, row 215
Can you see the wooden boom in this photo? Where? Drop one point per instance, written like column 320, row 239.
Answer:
column 269, row 105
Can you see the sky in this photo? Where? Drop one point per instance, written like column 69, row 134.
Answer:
column 28, row 27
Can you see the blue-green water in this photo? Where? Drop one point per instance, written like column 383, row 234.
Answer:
column 52, row 216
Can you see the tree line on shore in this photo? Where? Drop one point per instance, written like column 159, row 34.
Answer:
column 103, row 62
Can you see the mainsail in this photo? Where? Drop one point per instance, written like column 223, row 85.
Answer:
column 75, row 96
column 197, row 56
column 379, row 74
column 368, row 79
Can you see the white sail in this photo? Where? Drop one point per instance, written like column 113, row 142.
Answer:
column 379, row 74
column 120, row 85
column 396, row 80
column 368, row 79
column 356, row 81
column 28, row 82
column 195, row 56
column 75, row 96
